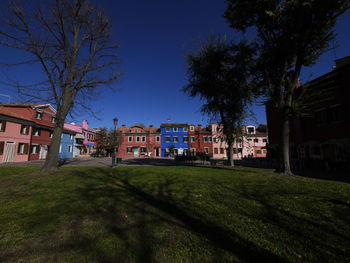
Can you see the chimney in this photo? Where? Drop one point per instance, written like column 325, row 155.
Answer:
column 85, row 124
column 199, row 126
column 151, row 126
column 123, row 125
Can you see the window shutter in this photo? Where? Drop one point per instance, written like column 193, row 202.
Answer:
column 2, row 144
column 19, row 148
column 26, row 148
column 3, row 126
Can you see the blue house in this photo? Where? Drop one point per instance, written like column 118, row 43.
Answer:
column 174, row 139
column 67, row 144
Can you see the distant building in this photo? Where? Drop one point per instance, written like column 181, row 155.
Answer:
column 200, row 140
column 67, row 144
column 139, row 141
column 250, row 143
column 321, row 138
column 174, row 139
column 15, row 135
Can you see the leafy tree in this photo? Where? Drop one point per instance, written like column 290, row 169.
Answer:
column 219, row 75
column 70, row 40
column 290, row 34
column 102, row 141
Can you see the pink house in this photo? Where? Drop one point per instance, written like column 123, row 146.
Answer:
column 252, row 143
column 15, row 136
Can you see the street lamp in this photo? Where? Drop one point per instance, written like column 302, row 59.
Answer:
column 114, row 158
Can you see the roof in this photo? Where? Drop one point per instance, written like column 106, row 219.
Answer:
column 174, row 125
column 8, row 112
column 25, row 105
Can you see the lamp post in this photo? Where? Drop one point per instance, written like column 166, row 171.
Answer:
column 114, row 158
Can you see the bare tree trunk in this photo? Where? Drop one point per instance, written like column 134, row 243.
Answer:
column 51, row 162
column 230, row 153
column 286, row 148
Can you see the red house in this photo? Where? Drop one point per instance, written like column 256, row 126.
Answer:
column 321, row 138
column 43, row 118
column 139, row 141
column 200, row 140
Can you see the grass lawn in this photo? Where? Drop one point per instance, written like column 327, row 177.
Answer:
column 171, row 214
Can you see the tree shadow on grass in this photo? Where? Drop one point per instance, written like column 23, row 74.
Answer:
column 115, row 218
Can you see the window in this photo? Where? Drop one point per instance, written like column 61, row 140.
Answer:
column 137, row 138
column 258, row 151
column 216, row 150
column 175, row 139
column 130, row 139
column 193, row 139
column 167, row 139
column 143, row 138
column 251, row 130
column 193, row 151
column 2, row 126
column 71, row 137
column 210, row 139
column 191, row 128
column 249, row 140
column 34, row 149
column 264, row 140
column 2, row 145
column 24, row 129
column 185, row 139
column 216, row 140
column 205, row 139
column 239, row 140
column 53, row 120
column 239, row 150
column 167, row 129
column 206, row 150
column 23, row 148
column 51, row 134
column 39, row 115
column 129, row 149
column 185, row 129
column 222, row 151
column 69, row 148
column 175, row 129
column 36, row 131
column 256, row 140
column 61, row 148
column 143, row 149
column 158, row 138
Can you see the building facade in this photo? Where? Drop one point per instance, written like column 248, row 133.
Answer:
column 174, row 137
column 139, row 141
column 319, row 139
column 15, row 135
column 67, row 144
column 200, row 140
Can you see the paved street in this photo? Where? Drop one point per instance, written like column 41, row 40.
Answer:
column 103, row 161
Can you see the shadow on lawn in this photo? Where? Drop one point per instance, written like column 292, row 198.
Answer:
column 148, row 207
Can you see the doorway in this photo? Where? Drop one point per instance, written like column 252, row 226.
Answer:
column 43, row 152
column 10, row 150
column 136, row 152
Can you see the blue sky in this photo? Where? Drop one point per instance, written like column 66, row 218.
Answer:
column 155, row 36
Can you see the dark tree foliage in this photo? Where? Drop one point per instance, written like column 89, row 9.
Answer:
column 290, row 35
column 219, row 74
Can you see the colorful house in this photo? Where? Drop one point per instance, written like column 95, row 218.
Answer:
column 251, row 143
column 139, row 141
column 15, row 134
column 67, row 144
column 174, row 139
column 200, row 140
column 89, row 139
column 78, row 147
column 43, row 118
